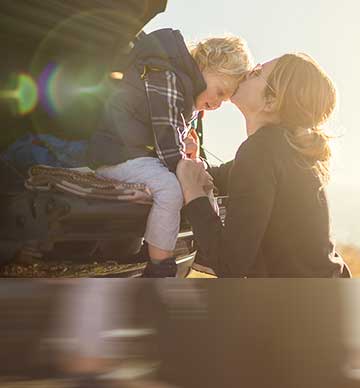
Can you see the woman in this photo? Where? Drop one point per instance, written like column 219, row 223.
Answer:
column 277, row 222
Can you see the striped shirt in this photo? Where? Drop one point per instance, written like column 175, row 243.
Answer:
column 166, row 103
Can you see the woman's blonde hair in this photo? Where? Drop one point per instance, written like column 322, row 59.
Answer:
column 305, row 98
column 228, row 55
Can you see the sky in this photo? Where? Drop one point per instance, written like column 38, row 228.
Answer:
column 328, row 30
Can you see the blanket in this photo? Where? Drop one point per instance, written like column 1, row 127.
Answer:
column 85, row 183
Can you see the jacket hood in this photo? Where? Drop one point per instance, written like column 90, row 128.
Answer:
column 167, row 47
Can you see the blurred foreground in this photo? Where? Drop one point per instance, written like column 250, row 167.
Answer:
column 176, row 333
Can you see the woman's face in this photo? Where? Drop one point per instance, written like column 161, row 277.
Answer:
column 250, row 96
column 219, row 89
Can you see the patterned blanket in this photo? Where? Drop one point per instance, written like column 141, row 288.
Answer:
column 85, row 183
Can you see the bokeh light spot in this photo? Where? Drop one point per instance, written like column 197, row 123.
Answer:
column 117, row 75
column 27, row 94
column 24, row 95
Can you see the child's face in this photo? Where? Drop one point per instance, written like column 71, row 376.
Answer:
column 219, row 88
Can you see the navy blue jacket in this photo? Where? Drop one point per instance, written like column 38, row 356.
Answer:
column 149, row 112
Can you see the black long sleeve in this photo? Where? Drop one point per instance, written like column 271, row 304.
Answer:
column 221, row 176
column 232, row 250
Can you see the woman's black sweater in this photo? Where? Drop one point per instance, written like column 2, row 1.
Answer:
column 277, row 217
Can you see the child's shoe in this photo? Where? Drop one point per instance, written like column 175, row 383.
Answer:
column 164, row 269
column 143, row 254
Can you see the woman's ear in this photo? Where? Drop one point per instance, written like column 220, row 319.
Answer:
column 270, row 105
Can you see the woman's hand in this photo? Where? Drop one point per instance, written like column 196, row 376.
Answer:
column 194, row 179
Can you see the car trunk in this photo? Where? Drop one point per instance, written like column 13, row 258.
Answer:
column 57, row 58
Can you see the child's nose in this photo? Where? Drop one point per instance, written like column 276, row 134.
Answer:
column 218, row 104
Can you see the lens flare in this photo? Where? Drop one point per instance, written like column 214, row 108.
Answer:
column 94, row 90
column 49, row 89
column 26, row 94
column 61, row 85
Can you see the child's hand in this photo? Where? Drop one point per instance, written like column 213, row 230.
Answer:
column 192, row 145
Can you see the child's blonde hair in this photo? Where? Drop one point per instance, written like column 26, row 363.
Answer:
column 228, row 55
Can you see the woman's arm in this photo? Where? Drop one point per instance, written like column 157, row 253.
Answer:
column 231, row 250
column 221, row 175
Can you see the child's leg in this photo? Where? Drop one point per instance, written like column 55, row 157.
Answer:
column 164, row 218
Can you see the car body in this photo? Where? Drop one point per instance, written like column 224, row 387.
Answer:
column 47, row 47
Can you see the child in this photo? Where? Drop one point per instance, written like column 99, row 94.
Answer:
column 147, row 119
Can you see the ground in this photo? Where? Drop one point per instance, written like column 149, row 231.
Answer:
column 35, row 268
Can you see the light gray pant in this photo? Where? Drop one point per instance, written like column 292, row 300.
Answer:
column 164, row 219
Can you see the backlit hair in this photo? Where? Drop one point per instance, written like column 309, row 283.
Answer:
column 305, row 98
column 228, row 55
